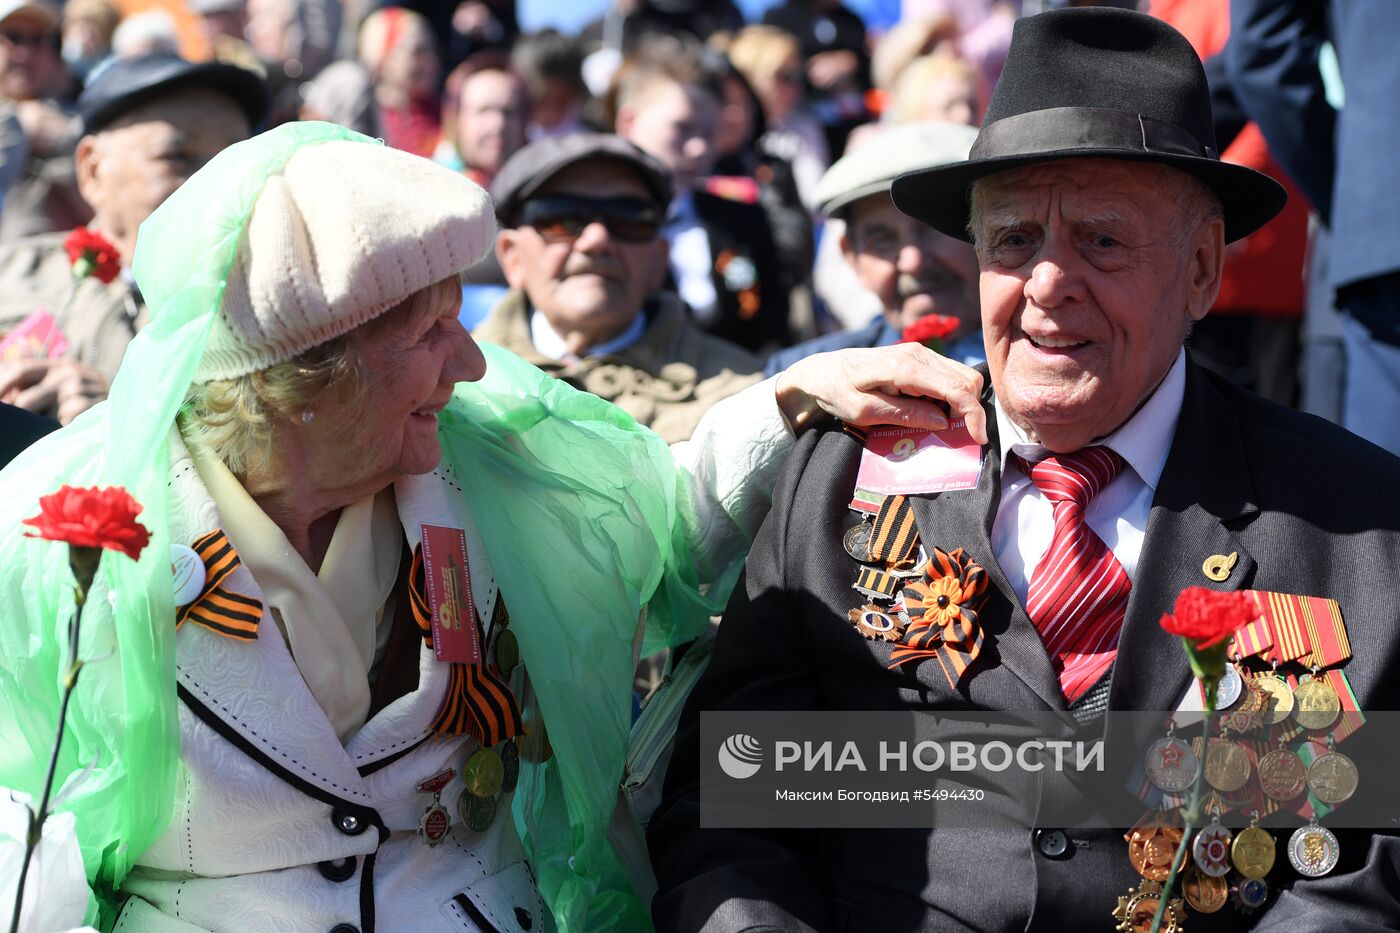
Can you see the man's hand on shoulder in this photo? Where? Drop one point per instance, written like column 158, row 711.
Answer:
column 905, row 384
column 60, row 387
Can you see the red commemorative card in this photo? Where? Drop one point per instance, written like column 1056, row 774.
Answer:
column 455, row 633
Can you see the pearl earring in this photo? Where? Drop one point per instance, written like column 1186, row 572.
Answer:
column 308, row 416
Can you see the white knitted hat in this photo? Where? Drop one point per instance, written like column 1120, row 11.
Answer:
column 344, row 232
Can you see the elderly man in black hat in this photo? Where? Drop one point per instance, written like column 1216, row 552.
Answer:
column 1115, row 473
column 149, row 123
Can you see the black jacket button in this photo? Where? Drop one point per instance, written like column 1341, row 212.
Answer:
column 338, row 869
column 1052, row 843
column 345, row 928
column 351, row 824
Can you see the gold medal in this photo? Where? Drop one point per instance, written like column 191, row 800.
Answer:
column 876, row 624
column 1279, row 698
column 507, row 651
column 1204, row 893
column 477, row 812
column 1317, row 705
column 1282, row 775
column 483, row 773
column 1333, row 778
column 1313, row 850
column 1138, row 908
column 1253, row 851
column 1227, row 766
column 1151, row 848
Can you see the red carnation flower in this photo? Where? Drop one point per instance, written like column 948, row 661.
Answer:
column 1206, row 618
column 92, row 254
column 91, row 518
column 930, row 330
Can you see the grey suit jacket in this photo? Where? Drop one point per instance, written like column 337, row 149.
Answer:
column 1307, row 506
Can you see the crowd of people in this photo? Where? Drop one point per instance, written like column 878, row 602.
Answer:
column 335, row 286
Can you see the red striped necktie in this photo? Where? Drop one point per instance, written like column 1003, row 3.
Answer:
column 1079, row 591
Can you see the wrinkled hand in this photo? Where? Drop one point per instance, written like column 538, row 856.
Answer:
column 64, row 388
column 900, row 385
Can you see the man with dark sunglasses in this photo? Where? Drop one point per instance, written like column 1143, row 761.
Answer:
column 581, row 247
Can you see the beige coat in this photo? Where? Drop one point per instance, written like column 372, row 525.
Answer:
column 35, row 273
column 667, row 380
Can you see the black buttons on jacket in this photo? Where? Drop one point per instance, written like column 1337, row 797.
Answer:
column 1052, row 843
column 522, row 917
column 345, row 928
column 351, row 824
column 339, row 869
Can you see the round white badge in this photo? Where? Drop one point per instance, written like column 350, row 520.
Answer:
column 188, row 571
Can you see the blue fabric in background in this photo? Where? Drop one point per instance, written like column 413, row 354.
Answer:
column 477, row 302
column 569, row 16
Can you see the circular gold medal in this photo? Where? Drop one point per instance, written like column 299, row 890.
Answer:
column 1282, row 775
column 484, row 773
column 477, row 812
column 1313, row 850
column 507, row 651
column 1279, row 697
column 1152, row 848
column 1333, row 778
column 1253, row 852
column 1317, row 704
column 1205, row 893
column 1227, row 766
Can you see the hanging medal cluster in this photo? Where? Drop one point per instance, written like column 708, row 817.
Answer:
column 1285, row 708
column 925, row 601
column 491, row 773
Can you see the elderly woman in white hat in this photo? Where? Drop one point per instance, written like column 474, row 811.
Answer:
column 390, row 684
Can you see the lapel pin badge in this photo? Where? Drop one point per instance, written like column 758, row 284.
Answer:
column 1217, row 567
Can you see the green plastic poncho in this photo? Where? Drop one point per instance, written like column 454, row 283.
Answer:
column 581, row 511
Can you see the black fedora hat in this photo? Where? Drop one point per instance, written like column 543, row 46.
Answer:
column 1100, row 83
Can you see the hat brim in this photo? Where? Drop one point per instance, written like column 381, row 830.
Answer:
column 940, row 196
column 244, row 87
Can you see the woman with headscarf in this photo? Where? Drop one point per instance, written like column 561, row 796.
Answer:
column 340, row 723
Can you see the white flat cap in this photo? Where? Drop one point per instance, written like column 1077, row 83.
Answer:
column 887, row 152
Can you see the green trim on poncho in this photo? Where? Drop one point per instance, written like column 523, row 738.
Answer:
column 578, row 505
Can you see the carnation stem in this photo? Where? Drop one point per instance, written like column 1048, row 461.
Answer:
column 1193, row 809
column 70, row 681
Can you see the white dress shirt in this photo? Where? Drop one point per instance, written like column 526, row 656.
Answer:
column 691, row 261
column 547, row 340
column 1025, row 522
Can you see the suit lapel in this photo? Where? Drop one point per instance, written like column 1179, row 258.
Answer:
column 964, row 519
column 1204, row 497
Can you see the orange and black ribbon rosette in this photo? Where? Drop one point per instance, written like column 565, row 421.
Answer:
column 942, row 611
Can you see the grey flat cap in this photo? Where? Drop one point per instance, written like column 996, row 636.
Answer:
column 891, row 151
column 526, row 171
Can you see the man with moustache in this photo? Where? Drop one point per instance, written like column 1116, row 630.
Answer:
column 1115, row 474
column 913, row 269
column 581, row 246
